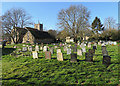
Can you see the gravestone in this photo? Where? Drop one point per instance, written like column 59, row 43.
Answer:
column 51, row 50
column 58, row 50
column 79, row 52
column 55, row 47
column 103, row 48
column 45, row 49
column 68, row 51
column 35, row 54
column 84, row 49
column 99, row 43
column 65, row 48
column 105, row 53
column 15, row 46
column 106, row 60
column 89, row 45
column 73, row 57
column 24, row 49
column 59, row 56
column 30, row 48
column 47, row 55
column 88, row 57
column 91, row 51
column 36, row 48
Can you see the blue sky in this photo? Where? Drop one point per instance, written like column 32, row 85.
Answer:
column 46, row 12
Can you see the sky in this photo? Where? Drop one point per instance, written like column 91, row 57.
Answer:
column 47, row 12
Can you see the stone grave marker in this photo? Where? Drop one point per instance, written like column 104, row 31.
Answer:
column 104, row 52
column 51, row 50
column 30, row 48
column 106, row 60
column 35, row 54
column 41, row 48
column 88, row 57
column 65, row 48
column 103, row 48
column 58, row 50
column 73, row 57
column 79, row 52
column 24, row 49
column 47, row 55
column 84, row 49
column 91, row 51
column 59, row 56
column 68, row 51
column 89, row 45
column 45, row 48
column 36, row 48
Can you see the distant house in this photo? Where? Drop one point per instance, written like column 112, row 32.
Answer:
column 33, row 35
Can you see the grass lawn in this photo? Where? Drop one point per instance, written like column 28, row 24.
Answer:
column 26, row 71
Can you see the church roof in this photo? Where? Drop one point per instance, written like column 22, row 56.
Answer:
column 39, row 34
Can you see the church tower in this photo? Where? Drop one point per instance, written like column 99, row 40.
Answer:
column 38, row 26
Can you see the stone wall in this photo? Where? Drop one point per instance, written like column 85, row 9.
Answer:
column 28, row 38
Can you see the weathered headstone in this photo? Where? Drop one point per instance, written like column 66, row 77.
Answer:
column 35, row 54
column 106, row 60
column 79, row 52
column 45, row 49
column 88, row 57
column 73, row 57
column 65, row 48
column 30, row 48
column 91, row 51
column 58, row 50
column 51, row 50
column 59, row 56
column 89, row 45
column 105, row 53
column 68, row 51
column 24, row 49
column 47, row 55
column 84, row 49
column 36, row 48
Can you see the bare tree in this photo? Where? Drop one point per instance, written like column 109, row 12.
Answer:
column 74, row 19
column 15, row 18
column 109, row 23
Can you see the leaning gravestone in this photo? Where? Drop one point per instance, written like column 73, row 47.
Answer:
column 79, row 52
column 88, row 57
column 59, row 56
column 47, row 55
column 73, row 57
column 68, row 51
column 106, row 60
column 35, row 54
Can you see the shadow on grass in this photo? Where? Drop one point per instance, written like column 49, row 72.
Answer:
column 7, row 51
